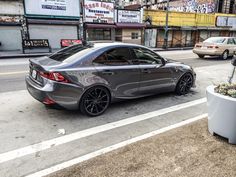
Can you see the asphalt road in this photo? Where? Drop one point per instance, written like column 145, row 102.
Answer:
column 29, row 136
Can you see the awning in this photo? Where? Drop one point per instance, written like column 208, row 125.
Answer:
column 130, row 25
column 95, row 25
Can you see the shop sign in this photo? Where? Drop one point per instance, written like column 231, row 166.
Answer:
column 53, row 8
column 98, row 12
column 224, row 21
column 10, row 19
column 35, row 43
column 127, row 16
column 69, row 42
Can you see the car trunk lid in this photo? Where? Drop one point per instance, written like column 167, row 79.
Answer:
column 42, row 64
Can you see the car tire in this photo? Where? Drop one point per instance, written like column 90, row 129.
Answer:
column 225, row 55
column 95, row 101
column 201, row 56
column 184, row 84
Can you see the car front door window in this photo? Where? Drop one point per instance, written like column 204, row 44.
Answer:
column 145, row 56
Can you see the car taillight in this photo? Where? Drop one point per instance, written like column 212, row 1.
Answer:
column 198, row 45
column 212, row 47
column 54, row 76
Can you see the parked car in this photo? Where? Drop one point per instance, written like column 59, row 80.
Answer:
column 90, row 77
column 216, row 46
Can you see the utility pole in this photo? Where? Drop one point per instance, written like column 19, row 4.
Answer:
column 165, row 46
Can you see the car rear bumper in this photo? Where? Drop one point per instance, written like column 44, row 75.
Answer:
column 207, row 52
column 63, row 94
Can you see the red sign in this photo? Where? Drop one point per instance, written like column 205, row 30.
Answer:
column 69, row 42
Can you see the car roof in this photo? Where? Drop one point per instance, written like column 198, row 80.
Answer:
column 114, row 44
column 222, row 37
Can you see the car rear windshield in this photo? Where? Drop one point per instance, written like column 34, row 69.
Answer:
column 67, row 52
column 215, row 40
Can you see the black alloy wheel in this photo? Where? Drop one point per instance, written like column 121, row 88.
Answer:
column 184, row 85
column 95, row 101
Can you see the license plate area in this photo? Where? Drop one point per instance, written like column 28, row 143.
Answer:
column 34, row 74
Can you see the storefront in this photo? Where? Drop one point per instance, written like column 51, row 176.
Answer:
column 10, row 33
column 129, row 26
column 53, row 20
column 99, row 20
column 53, row 30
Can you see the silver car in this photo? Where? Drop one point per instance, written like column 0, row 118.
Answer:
column 216, row 46
column 91, row 76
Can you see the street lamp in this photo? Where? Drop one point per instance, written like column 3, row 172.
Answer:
column 165, row 46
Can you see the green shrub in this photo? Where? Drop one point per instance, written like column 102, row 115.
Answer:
column 226, row 89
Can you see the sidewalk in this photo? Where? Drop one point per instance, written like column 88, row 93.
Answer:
column 186, row 151
column 19, row 54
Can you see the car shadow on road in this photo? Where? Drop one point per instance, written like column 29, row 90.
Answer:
column 127, row 108
column 214, row 58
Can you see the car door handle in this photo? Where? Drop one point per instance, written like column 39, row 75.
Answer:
column 107, row 72
column 147, row 71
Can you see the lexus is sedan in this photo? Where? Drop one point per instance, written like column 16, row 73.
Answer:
column 223, row 47
column 91, row 76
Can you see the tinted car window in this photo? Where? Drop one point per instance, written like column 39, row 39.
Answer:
column 145, row 56
column 70, row 51
column 234, row 39
column 217, row 40
column 117, row 56
column 230, row 41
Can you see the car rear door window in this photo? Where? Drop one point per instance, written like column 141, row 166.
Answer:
column 145, row 56
column 234, row 39
column 231, row 41
column 116, row 56
column 67, row 52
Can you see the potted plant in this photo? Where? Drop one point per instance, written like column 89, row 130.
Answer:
column 221, row 103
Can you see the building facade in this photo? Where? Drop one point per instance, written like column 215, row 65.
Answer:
column 190, row 21
column 11, row 15
column 129, row 26
column 185, row 29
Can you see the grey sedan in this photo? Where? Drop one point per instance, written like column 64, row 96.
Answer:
column 91, row 76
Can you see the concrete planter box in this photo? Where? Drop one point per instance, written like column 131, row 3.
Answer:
column 221, row 115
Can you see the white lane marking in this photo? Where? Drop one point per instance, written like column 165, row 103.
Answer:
column 91, row 131
column 113, row 147
column 12, row 73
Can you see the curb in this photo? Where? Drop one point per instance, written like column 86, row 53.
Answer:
column 44, row 54
column 171, row 49
column 23, row 55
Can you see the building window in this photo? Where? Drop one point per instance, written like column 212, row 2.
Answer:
column 99, row 34
column 134, row 35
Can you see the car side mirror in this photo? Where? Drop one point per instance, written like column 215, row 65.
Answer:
column 233, row 62
column 164, row 62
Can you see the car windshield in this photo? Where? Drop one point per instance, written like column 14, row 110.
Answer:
column 67, row 52
column 215, row 40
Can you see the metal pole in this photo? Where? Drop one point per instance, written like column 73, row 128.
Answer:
column 166, row 26
column 232, row 75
